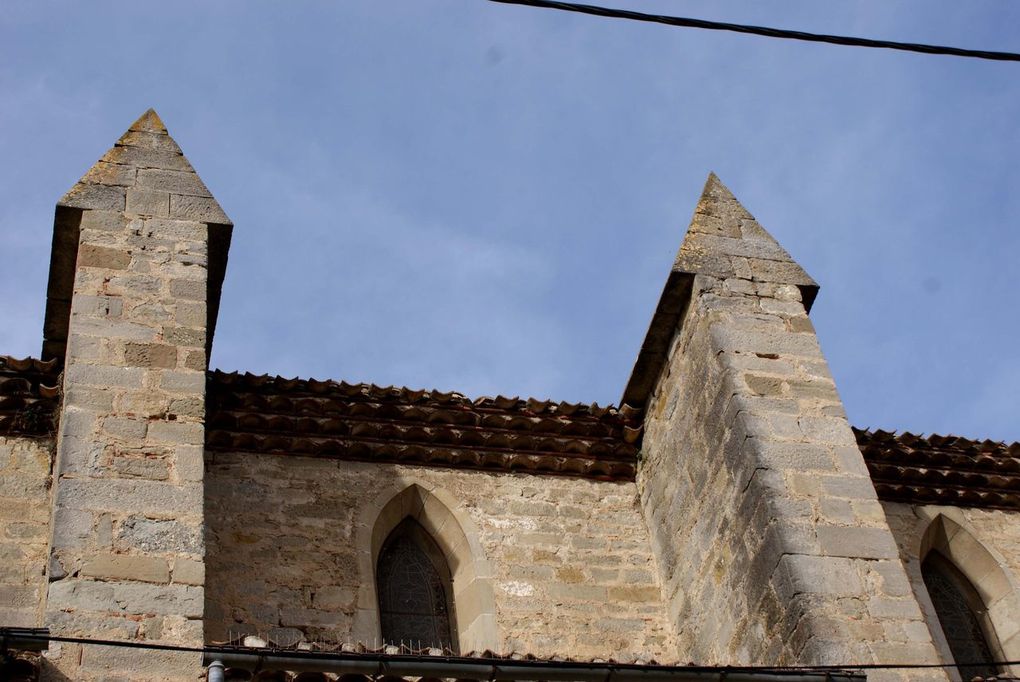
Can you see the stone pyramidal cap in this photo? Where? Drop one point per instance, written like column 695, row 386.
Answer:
column 724, row 240
column 145, row 173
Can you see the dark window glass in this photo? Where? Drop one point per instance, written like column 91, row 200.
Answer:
column 414, row 584
column 959, row 609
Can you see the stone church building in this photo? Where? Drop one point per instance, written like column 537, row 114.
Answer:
column 160, row 520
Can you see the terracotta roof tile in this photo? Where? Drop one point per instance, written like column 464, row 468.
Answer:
column 260, row 413
column 265, row 643
column 942, row 469
column 267, row 414
column 29, row 394
column 383, row 657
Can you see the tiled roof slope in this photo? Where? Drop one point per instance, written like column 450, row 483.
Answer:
column 248, row 413
column 29, row 393
column 942, row 469
column 364, row 422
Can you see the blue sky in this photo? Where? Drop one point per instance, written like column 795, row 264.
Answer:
column 468, row 196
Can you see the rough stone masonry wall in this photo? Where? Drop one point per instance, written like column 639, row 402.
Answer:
column 573, row 571
column 984, row 544
column 773, row 546
column 127, row 542
column 25, row 524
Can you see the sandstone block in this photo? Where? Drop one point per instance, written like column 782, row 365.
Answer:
column 189, row 314
column 188, row 407
column 125, row 428
column 579, row 592
column 148, row 140
column 72, row 533
column 864, row 543
column 196, row 360
column 799, row 574
column 78, row 422
column 189, row 464
column 177, row 432
column 135, row 285
column 765, row 385
column 140, row 466
column 189, row 572
column 188, row 289
column 184, row 336
column 800, row 325
column 159, row 535
column 94, row 197
column 19, row 596
column 795, row 456
column 192, row 233
column 128, row 567
column 730, row 339
column 130, row 495
column 110, row 665
column 826, row 430
column 176, row 600
column 149, row 157
column 105, row 173
column 849, row 487
column 112, row 221
column 777, row 307
column 80, row 594
column 150, row 355
column 633, row 594
column 97, row 375
column 570, row 574
column 105, row 307
column 145, row 403
column 148, row 202
column 90, row 255
column 100, row 333
column 15, row 617
column 178, row 182
column 204, row 209
column 851, row 461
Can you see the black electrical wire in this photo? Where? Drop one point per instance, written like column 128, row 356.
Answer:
column 765, row 30
column 321, row 655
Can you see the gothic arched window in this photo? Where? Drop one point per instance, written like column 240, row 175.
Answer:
column 959, row 609
column 413, row 582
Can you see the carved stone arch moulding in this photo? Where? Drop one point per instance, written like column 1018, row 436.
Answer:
column 986, row 572
column 455, row 533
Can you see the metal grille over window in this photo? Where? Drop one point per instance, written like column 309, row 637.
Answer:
column 413, row 584
column 958, row 607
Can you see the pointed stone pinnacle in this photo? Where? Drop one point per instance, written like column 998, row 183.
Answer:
column 725, row 241
column 149, row 122
column 146, row 174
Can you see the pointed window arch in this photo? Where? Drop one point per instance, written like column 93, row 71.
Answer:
column 960, row 611
column 415, row 590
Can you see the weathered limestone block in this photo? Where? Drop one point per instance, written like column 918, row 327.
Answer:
column 127, row 547
column 771, row 545
column 24, row 528
column 563, row 565
column 984, row 545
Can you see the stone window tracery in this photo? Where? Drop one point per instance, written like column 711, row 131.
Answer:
column 959, row 611
column 413, row 583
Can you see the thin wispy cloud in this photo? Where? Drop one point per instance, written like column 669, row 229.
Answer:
column 485, row 198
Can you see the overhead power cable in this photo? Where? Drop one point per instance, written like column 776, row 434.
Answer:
column 15, row 637
column 765, row 30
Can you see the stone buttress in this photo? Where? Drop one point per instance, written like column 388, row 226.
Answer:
column 771, row 544
column 139, row 253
